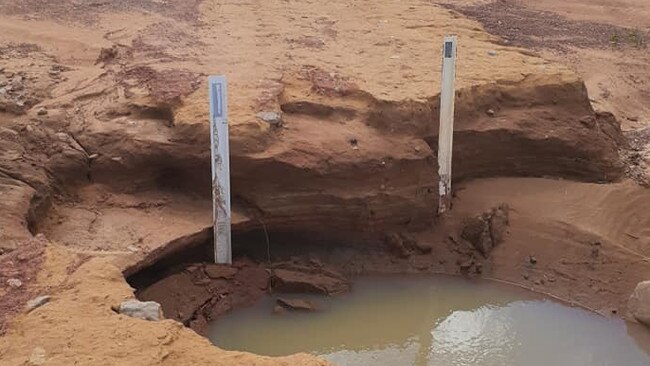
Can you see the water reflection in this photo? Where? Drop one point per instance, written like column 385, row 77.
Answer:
column 435, row 321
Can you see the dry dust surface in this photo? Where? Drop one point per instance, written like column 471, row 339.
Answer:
column 104, row 150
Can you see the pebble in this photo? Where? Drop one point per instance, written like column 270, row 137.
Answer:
column 490, row 112
column 41, row 111
column 14, row 283
column 272, row 118
column 532, row 260
column 146, row 310
column 492, row 53
column 37, row 302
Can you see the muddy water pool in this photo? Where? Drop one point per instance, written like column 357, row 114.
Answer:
column 433, row 321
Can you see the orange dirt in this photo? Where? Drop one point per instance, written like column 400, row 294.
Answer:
column 104, row 151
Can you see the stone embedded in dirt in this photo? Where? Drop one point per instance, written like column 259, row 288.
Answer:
column 146, row 310
column 37, row 302
column 396, row 244
column 476, row 230
column 272, row 118
column 220, row 271
column 490, row 112
column 487, row 230
column 297, row 304
column 106, row 55
column 639, row 303
column 532, row 260
column 405, row 245
column 38, row 356
column 41, row 111
column 14, row 283
column 423, row 247
column 285, row 280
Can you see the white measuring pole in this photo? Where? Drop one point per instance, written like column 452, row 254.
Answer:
column 446, row 133
column 218, row 90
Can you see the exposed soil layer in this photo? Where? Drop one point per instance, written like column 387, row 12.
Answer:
column 104, row 150
column 605, row 43
column 556, row 239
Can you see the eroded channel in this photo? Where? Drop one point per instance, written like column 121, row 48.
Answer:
column 432, row 320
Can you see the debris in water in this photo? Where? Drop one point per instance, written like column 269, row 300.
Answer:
column 297, row 304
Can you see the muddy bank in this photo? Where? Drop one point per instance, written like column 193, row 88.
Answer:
column 591, row 262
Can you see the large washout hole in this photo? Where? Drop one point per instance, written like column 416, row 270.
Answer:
column 432, row 320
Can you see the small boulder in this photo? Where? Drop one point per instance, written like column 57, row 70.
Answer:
column 37, row 302
column 639, row 303
column 146, row 310
column 297, row 304
column 287, row 280
column 487, row 230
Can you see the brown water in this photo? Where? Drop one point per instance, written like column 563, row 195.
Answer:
column 433, row 321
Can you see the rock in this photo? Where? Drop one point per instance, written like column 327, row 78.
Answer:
column 220, row 271
column 476, row 230
column 106, row 55
column 272, row 118
column 41, row 111
column 405, row 245
column 532, row 260
column 423, row 248
column 93, row 156
column 297, row 304
column 14, row 283
column 639, row 303
column 285, row 280
column 487, row 230
column 490, row 112
column 38, row 356
column 396, row 245
column 146, row 310
column 37, row 302
column 492, row 53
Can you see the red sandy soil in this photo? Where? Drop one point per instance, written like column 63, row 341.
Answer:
column 104, row 151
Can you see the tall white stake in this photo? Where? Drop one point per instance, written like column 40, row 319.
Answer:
column 218, row 90
column 446, row 134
